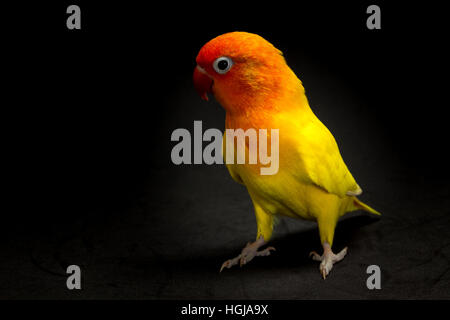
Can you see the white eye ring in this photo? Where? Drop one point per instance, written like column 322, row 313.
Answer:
column 222, row 65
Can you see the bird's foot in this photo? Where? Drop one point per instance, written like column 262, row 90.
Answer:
column 248, row 253
column 327, row 259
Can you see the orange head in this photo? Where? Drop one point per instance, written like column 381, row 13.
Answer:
column 242, row 69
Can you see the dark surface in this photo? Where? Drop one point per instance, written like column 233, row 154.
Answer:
column 90, row 181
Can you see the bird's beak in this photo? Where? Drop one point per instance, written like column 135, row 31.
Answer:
column 202, row 82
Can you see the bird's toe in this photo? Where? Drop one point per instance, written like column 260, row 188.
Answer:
column 325, row 268
column 229, row 263
column 315, row 256
column 265, row 252
column 338, row 257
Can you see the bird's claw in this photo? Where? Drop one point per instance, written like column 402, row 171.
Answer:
column 247, row 254
column 229, row 263
column 328, row 259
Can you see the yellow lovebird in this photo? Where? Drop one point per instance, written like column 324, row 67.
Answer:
column 249, row 77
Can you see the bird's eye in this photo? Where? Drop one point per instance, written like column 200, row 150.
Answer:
column 222, row 65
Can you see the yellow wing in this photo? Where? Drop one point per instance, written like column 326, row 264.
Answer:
column 322, row 163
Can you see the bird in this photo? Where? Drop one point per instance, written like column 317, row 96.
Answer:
column 252, row 81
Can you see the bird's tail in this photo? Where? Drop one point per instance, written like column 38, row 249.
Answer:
column 354, row 204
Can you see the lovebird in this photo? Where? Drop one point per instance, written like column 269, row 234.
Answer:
column 251, row 80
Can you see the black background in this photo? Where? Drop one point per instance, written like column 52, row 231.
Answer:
column 88, row 116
